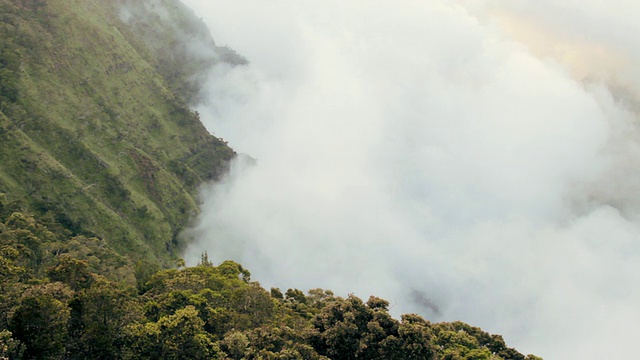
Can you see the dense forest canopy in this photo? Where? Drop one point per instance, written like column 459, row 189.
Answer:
column 73, row 297
column 100, row 162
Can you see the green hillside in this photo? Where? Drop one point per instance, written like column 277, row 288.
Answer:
column 92, row 132
column 100, row 162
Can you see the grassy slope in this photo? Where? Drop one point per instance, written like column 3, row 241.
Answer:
column 178, row 45
column 95, row 136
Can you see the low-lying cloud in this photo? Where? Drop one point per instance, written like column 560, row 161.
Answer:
column 443, row 155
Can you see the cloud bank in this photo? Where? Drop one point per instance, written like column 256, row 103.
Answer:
column 467, row 160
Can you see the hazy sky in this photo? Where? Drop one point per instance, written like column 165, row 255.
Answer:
column 467, row 160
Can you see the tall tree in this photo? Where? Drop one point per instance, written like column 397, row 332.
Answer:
column 40, row 321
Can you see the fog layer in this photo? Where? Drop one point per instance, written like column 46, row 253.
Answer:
column 467, row 160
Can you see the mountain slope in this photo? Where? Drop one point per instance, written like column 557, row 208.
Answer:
column 91, row 130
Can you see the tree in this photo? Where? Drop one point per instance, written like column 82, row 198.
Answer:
column 143, row 272
column 10, row 348
column 276, row 293
column 182, row 336
column 40, row 321
column 235, row 344
column 204, row 260
column 72, row 272
column 340, row 326
column 417, row 338
column 99, row 319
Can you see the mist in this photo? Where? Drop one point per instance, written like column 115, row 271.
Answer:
column 466, row 160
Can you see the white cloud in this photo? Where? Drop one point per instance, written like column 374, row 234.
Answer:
column 425, row 148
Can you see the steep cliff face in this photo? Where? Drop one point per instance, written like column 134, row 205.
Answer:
column 92, row 128
column 177, row 44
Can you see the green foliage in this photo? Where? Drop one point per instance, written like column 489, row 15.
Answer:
column 72, row 272
column 235, row 344
column 100, row 316
column 349, row 328
column 533, row 357
column 182, row 336
column 68, row 310
column 143, row 272
column 10, row 348
column 462, row 341
column 9, row 66
column 40, row 320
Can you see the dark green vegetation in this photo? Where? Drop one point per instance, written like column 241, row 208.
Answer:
column 72, row 297
column 100, row 160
